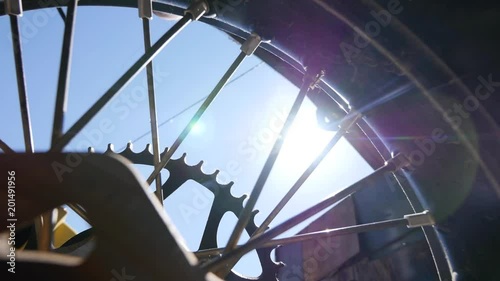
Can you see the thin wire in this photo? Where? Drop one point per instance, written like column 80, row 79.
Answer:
column 196, row 117
column 194, row 104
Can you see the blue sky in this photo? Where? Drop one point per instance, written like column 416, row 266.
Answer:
column 235, row 135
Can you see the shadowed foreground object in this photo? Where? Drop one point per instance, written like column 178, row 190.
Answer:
column 101, row 184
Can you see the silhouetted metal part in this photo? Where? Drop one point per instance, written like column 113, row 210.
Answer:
column 64, row 72
column 197, row 9
column 310, row 80
column 61, row 13
column 5, row 147
column 13, row 7
column 21, row 84
column 62, row 91
column 326, row 253
column 79, row 211
column 152, row 106
column 320, row 234
column 224, row 202
column 145, row 8
column 424, row 218
column 344, row 231
column 392, row 165
column 123, row 81
column 80, row 245
column 92, row 184
column 247, row 49
column 407, row 220
column 43, row 230
column 347, row 122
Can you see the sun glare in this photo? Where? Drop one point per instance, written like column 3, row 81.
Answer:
column 304, row 141
column 198, row 128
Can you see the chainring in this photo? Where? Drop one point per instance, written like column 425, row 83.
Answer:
column 224, row 202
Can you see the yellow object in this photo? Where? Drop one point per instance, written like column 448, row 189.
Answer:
column 62, row 231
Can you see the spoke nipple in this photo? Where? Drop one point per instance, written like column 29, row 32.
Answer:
column 314, row 77
column 350, row 119
column 197, row 9
column 14, row 7
column 145, row 9
column 420, row 219
column 399, row 161
column 251, row 44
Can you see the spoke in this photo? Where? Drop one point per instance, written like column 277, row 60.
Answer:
column 246, row 213
column 247, row 49
column 6, row 148
column 126, row 78
column 424, row 219
column 337, row 232
column 64, row 72
column 14, row 9
column 173, row 117
column 310, row 81
column 21, row 84
column 392, row 165
column 152, row 109
column 79, row 211
column 61, row 13
column 348, row 121
column 61, row 98
column 208, row 253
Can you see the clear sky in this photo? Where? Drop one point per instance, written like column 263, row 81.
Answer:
column 235, row 135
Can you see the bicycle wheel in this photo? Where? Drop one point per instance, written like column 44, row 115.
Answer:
column 415, row 100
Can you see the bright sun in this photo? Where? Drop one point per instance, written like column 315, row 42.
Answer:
column 304, row 142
